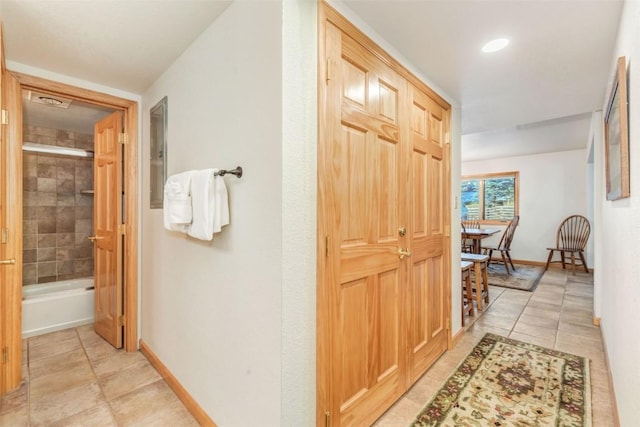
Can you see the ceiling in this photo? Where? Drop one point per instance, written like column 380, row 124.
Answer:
column 533, row 96
column 126, row 45
column 555, row 68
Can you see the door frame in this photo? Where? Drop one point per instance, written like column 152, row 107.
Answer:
column 130, row 185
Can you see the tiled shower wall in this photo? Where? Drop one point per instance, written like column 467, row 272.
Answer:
column 58, row 210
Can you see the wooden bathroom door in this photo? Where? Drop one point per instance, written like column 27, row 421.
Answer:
column 11, row 230
column 107, row 218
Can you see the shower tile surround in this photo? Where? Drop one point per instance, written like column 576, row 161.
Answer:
column 58, row 218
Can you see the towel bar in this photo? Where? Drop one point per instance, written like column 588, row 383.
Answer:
column 237, row 172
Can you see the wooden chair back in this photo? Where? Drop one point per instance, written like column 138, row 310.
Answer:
column 573, row 233
column 507, row 236
column 471, row 223
column 465, row 244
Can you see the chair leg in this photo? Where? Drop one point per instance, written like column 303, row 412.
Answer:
column 573, row 263
column 563, row 259
column 479, row 285
column 468, row 294
column 510, row 260
column 485, row 281
column 546, row 267
column 584, row 262
column 506, row 265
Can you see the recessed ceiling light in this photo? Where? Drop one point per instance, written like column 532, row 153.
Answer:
column 495, row 45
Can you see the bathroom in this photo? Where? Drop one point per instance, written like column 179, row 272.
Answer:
column 58, row 205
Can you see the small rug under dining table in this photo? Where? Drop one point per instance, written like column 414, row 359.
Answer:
column 524, row 277
column 505, row 382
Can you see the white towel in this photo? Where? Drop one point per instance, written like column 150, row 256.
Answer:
column 210, row 204
column 221, row 205
column 177, row 210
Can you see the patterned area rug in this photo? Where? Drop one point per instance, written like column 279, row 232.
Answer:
column 504, row 382
column 525, row 277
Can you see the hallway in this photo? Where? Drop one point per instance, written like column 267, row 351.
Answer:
column 75, row 378
column 558, row 315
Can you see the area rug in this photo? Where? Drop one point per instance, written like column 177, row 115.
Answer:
column 504, row 382
column 525, row 277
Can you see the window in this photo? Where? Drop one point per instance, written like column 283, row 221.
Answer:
column 490, row 197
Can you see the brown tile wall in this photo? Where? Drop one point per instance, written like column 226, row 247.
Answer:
column 58, row 218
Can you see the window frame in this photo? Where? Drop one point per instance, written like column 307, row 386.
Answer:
column 481, row 185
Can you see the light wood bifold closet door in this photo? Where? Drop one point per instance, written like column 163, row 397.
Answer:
column 383, row 241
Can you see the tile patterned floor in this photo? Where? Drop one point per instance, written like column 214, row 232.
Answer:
column 558, row 314
column 75, row 378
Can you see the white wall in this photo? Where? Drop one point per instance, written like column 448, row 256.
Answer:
column 212, row 311
column 552, row 187
column 299, row 201
column 596, row 148
column 620, row 278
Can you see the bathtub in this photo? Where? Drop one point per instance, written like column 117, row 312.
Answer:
column 50, row 307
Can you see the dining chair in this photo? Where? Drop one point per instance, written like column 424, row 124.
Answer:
column 504, row 246
column 471, row 223
column 571, row 238
column 466, row 244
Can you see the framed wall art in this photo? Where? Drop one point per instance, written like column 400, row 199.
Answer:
column 616, row 136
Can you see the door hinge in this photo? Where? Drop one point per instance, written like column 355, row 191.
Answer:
column 122, row 138
column 121, row 320
column 5, row 354
column 328, row 69
column 448, row 323
column 327, row 419
column 122, row 229
column 5, row 236
column 5, row 117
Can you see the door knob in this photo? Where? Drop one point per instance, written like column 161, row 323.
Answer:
column 94, row 238
column 404, row 253
column 7, row 261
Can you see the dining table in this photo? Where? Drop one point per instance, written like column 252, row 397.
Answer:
column 477, row 234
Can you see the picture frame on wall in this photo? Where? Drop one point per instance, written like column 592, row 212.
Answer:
column 616, row 136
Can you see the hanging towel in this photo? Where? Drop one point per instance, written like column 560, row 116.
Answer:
column 210, row 204
column 221, row 205
column 177, row 210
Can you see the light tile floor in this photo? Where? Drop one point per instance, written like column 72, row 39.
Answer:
column 558, row 314
column 75, row 378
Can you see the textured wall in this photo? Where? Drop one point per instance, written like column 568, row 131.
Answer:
column 619, row 282
column 299, row 84
column 212, row 311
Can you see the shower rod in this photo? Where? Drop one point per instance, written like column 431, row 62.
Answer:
column 54, row 149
